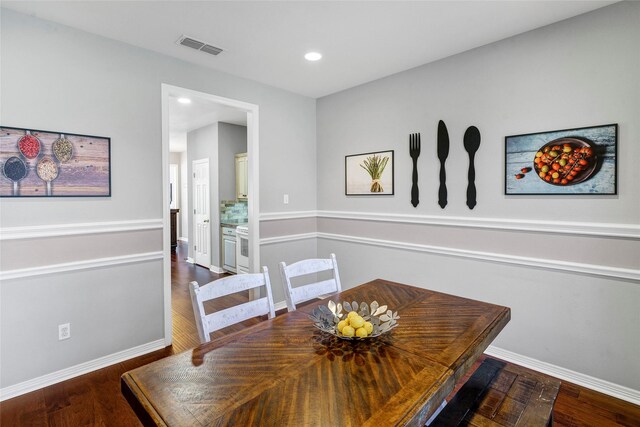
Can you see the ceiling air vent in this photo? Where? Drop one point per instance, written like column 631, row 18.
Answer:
column 198, row 45
column 211, row 49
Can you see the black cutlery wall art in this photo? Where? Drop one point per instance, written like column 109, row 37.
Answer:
column 471, row 143
column 443, row 153
column 414, row 152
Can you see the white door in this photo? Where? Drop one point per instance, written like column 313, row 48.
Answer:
column 201, row 218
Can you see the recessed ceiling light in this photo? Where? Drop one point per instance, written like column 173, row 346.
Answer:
column 312, row 56
column 184, row 100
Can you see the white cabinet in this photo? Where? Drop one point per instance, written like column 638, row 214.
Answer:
column 229, row 248
column 242, row 176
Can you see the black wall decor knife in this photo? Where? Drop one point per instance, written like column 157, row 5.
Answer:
column 414, row 152
column 443, row 153
column 471, row 144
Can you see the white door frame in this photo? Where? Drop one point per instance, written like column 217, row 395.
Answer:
column 253, row 196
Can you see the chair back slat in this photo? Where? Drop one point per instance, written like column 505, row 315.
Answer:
column 231, row 285
column 240, row 313
column 207, row 323
column 307, row 292
column 311, row 290
column 308, row 266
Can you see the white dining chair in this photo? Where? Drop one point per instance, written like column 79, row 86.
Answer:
column 208, row 323
column 309, row 291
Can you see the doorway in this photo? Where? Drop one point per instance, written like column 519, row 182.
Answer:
column 169, row 94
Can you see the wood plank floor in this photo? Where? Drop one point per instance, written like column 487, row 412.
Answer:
column 94, row 399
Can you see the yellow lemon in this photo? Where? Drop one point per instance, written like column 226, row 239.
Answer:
column 369, row 327
column 357, row 322
column 361, row 332
column 351, row 314
column 348, row 331
column 341, row 325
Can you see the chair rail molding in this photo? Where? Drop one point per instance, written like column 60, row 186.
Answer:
column 287, row 238
column 531, row 262
column 279, row 216
column 80, row 265
column 73, row 229
column 597, row 229
column 548, row 264
column 594, row 229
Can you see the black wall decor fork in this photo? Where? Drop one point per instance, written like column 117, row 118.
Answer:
column 414, row 152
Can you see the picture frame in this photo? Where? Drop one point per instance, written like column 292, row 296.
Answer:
column 40, row 163
column 577, row 161
column 369, row 174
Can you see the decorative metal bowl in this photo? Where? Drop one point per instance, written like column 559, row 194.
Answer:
column 326, row 317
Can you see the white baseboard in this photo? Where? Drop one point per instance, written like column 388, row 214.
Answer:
column 183, row 239
column 215, row 269
column 602, row 386
column 77, row 370
column 190, row 260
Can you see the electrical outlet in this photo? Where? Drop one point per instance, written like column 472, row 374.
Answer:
column 285, row 199
column 64, row 331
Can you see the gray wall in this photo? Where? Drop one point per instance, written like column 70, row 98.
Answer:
column 202, row 143
column 232, row 139
column 83, row 83
column 580, row 72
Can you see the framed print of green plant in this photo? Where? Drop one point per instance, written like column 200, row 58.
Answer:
column 369, row 174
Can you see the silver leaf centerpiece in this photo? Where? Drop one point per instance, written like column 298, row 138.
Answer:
column 377, row 319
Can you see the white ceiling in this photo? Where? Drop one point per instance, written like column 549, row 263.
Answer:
column 265, row 40
column 200, row 112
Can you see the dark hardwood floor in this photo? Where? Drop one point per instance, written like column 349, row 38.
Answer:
column 94, row 399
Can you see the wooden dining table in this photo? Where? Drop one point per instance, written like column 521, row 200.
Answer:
column 286, row 372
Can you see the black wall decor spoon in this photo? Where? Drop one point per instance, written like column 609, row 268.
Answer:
column 471, row 144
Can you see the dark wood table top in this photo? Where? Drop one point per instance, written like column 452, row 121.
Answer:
column 284, row 371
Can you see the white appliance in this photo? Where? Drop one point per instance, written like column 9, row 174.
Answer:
column 229, row 248
column 242, row 249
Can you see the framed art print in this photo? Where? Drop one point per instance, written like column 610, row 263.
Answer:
column 563, row 162
column 369, row 174
column 39, row 163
